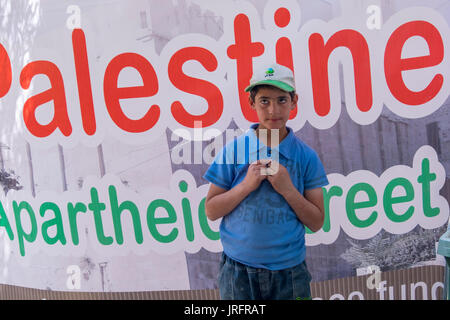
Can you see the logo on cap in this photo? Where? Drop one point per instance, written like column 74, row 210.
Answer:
column 269, row 72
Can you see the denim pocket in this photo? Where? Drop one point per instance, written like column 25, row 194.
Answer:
column 222, row 260
column 225, row 279
column 301, row 279
column 221, row 266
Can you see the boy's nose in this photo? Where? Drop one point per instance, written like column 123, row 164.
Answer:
column 272, row 108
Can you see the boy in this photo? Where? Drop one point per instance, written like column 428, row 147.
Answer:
column 265, row 211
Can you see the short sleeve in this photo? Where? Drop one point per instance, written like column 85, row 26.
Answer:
column 315, row 175
column 221, row 172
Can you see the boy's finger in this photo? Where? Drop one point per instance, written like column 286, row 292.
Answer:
column 257, row 165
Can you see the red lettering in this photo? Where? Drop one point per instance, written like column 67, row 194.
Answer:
column 56, row 93
column 283, row 49
column 113, row 94
column 319, row 54
column 394, row 64
column 282, row 17
column 5, row 72
column 83, row 81
column 195, row 86
column 243, row 51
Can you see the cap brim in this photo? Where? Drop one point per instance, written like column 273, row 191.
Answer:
column 275, row 83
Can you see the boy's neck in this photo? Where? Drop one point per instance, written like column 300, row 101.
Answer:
column 282, row 133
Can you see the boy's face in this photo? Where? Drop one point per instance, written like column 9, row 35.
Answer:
column 273, row 107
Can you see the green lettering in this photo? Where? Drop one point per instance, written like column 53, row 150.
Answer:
column 204, row 225
column 4, row 222
column 56, row 221
column 117, row 210
column 72, row 212
column 388, row 200
column 187, row 215
column 425, row 180
column 152, row 221
column 21, row 234
column 351, row 205
column 96, row 207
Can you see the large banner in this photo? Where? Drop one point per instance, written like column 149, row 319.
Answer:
column 111, row 112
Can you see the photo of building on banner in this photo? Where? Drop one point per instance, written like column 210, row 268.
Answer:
column 114, row 113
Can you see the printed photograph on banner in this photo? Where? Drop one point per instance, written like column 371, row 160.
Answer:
column 112, row 113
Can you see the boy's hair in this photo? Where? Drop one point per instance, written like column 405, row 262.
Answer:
column 255, row 90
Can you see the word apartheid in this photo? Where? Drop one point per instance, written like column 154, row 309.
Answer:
column 62, row 224
column 404, row 65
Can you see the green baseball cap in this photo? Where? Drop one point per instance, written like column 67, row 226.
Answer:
column 273, row 75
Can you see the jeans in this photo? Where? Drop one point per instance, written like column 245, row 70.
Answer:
column 240, row 282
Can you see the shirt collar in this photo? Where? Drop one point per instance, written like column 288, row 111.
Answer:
column 285, row 147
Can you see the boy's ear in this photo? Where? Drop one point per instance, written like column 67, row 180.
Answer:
column 294, row 101
column 251, row 102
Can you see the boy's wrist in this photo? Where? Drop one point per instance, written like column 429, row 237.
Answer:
column 244, row 188
column 290, row 193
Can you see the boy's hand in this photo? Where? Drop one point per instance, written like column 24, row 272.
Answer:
column 280, row 180
column 254, row 177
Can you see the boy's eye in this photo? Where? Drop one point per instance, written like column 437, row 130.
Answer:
column 282, row 100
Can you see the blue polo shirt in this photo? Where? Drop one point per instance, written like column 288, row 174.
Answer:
column 263, row 231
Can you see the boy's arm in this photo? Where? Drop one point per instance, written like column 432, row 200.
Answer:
column 219, row 201
column 309, row 208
